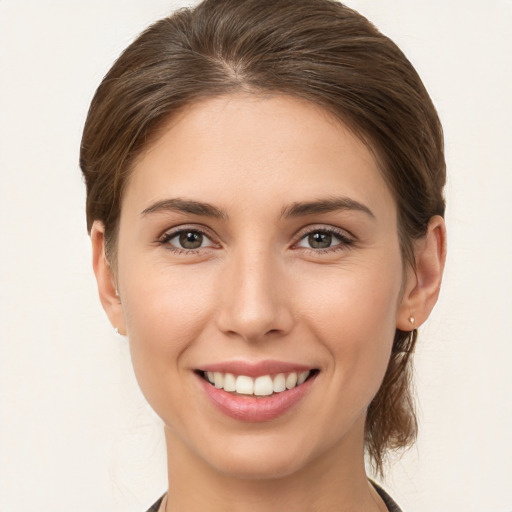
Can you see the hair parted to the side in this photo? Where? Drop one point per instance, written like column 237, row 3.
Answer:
column 317, row 50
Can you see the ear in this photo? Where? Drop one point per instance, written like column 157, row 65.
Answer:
column 423, row 283
column 105, row 279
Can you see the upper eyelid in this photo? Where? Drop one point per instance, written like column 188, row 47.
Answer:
column 171, row 232
column 343, row 233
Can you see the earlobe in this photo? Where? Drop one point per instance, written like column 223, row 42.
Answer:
column 424, row 282
column 105, row 279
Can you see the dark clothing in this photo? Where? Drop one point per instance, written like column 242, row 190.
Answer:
column 156, row 505
column 386, row 498
column 392, row 506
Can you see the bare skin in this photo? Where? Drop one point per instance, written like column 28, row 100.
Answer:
column 259, row 228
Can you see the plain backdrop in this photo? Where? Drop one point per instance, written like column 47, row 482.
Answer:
column 75, row 433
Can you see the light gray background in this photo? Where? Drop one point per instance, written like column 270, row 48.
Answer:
column 75, row 433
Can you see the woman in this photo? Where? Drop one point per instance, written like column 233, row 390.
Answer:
column 264, row 198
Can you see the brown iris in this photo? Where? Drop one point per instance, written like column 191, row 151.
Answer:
column 191, row 239
column 319, row 240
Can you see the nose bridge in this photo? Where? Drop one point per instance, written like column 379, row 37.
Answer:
column 251, row 304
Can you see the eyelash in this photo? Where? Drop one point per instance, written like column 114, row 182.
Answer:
column 344, row 241
column 168, row 236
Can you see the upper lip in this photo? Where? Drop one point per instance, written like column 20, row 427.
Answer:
column 255, row 369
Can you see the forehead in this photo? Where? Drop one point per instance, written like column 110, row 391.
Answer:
column 253, row 147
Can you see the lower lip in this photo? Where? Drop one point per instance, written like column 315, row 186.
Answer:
column 250, row 408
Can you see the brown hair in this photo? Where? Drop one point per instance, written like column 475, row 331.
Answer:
column 318, row 50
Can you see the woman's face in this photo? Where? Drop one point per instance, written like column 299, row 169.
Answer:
column 258, row 238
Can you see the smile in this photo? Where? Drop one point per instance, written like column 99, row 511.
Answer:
column 256, row 392
column 263, row 385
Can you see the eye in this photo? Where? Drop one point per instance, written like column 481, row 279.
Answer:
column 186, row 240
column 324, row 239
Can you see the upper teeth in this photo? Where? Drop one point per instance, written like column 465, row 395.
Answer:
column 260, row 386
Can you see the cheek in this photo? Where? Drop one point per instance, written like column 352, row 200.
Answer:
column 354, row 317
column 165, row 312
column 355, row 300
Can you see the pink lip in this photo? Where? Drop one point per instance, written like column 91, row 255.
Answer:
column 255, row 369
column 252, row 409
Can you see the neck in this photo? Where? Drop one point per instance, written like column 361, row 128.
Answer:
column 333, row 482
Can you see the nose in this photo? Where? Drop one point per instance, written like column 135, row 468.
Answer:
column 254, row 304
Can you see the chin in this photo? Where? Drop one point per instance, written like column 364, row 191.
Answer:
column 250, row 467
column 259, row 458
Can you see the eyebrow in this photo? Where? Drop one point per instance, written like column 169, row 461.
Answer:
column 327, row 205
column 298, row 209
column 185, row 206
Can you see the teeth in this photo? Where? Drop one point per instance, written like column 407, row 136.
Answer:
column 291, row 381
column 302, row 377
column 229, row 382
column 244, row 385
column 279, row 383
column 218, row 380
column 264, row 385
